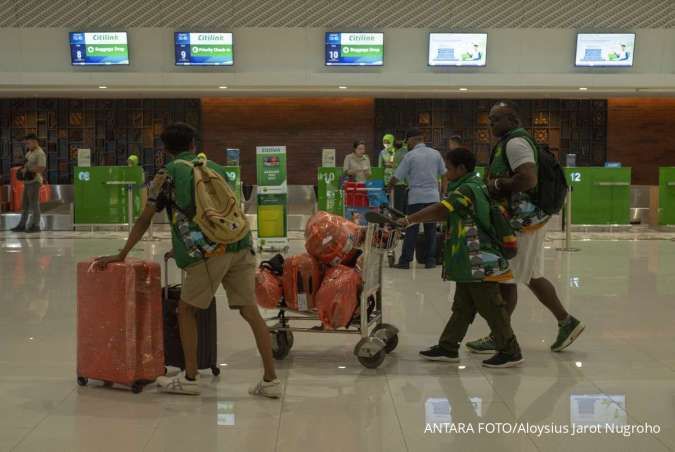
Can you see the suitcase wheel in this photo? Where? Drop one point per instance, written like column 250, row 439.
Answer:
column 282, row 342
column 82, row 381
column 215, row 370
column 108, row 384
column 137, row 387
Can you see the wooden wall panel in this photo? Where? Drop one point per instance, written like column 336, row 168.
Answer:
column 566, row 125
column 304, row 125
column 641, row 134
column 112, row 128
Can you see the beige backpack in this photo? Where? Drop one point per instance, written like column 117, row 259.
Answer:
column 217, row 213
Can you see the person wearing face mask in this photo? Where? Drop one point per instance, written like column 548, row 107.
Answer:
column 387, row 158
column 357, row 164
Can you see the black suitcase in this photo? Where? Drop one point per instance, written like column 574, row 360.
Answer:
column 207, row 330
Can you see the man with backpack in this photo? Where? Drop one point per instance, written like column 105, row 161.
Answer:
column 212, row 243
column 530, row 184
column 475, row 259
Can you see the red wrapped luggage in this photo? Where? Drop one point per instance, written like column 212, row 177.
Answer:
column 330, row 238
column 337, row 298
column 301, row 281
column 268, row 289
column 119, row 323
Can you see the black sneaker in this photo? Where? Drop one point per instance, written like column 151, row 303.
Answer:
column 503, row 360
column 402, row 266
column 437, row 353
column 18, row 229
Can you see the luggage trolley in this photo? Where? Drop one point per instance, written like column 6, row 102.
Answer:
column 357, row 200
column 377, row 338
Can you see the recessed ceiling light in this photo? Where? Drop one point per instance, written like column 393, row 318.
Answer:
column 222, row 87
column 464, row 89
column 342, row 367
column 342, row 87
column 583, row 89
column 102, row 87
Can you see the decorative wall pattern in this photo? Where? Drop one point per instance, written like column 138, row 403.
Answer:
column 112, row 128
column 566, row 125
column 345, row 13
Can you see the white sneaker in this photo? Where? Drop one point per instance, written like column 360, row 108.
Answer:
column 271, row 389
column 179, row 385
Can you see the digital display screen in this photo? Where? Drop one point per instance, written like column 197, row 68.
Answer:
column 204, row 49
column 605, row 49
column 99, row 49
column 457, row 49
column 354, row 49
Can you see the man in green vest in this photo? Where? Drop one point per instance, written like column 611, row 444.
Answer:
column 474, row 261
column 512, row 180
column 231, row 266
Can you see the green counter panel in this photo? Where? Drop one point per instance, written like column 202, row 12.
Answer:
column 234, row 179
column 600, row 195
column 97, row 202
column 329, row 190
column 667, row 195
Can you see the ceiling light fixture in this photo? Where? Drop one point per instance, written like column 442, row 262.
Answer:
column 464, row 89
column 342, row 87
column 222, row 87
column 102, row 87
column 583, row 89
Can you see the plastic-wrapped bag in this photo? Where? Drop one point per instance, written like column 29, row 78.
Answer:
column 330, row 238
column 268, row 289
column 337, row 298
column 301, row 282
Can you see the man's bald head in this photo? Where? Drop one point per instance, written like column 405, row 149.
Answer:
column 503, row 118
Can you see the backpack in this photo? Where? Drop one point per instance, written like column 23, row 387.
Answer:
column 551, row 190
column 217, row 212
column 499, row 230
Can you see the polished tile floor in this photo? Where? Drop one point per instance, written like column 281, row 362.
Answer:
column 621, row 371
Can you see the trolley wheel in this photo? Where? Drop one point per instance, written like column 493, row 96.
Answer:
column 373, row 362
column 137, row 387
column 215, row 370
column 391, row 259
column 389, row 334
column 370, row 352
column 82, row 381
column 280, row 345
column 107, row 384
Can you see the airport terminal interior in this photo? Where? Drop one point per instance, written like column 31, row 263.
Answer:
column 538, row 137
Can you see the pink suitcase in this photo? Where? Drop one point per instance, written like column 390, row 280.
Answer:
column 119, row 323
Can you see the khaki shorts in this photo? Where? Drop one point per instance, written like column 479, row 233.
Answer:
column 529, row 262
column 235, row 271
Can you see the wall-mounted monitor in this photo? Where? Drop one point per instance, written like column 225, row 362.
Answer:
column 605, row 49
column 354, row 49
column 204, row 49
column 457, row 49
column 99, row 49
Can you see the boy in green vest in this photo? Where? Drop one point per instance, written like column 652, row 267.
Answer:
column 474, row 261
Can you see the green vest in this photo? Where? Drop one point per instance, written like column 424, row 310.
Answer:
column 469, row 253
column 525, row 214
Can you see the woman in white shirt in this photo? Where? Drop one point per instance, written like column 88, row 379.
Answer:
column 357, row 164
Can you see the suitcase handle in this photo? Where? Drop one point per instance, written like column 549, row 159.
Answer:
column 167, row 257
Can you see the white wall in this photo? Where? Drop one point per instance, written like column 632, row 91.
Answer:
column 290, row 60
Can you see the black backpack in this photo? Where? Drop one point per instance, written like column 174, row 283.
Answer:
column 552, row 186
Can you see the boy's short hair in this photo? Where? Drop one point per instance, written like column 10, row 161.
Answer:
column 31, row 136
column 462, row 156
column 178, row 137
